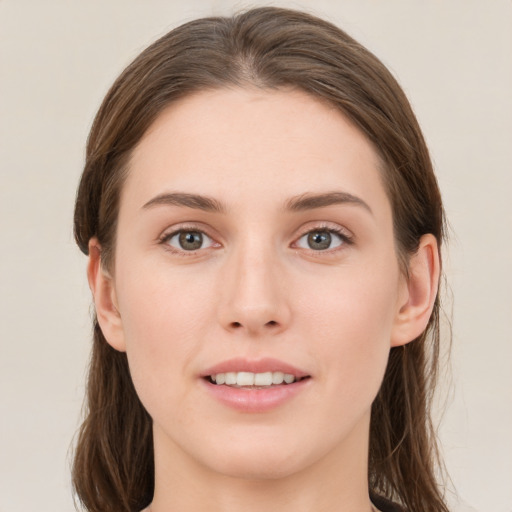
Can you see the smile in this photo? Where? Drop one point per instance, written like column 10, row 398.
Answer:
column 255, row 386
column 253, row 380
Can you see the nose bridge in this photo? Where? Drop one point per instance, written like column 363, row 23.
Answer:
column 253, row 295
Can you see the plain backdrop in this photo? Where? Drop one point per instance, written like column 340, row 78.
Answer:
column 57, row 59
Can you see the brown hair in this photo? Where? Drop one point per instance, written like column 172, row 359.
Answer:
column 267, row 48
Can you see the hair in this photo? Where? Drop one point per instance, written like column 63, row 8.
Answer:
column 267, row 48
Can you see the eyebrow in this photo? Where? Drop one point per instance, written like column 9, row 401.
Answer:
column 312, row 201
column 303, row 202
column 195, row 201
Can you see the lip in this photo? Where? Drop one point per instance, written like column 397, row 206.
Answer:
column 267, row 364
column 256, row 400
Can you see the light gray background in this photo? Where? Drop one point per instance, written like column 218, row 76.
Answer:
column 57, row 59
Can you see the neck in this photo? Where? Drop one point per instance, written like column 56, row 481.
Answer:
column 337, row 482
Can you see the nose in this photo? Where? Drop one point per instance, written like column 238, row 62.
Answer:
column 253, row 298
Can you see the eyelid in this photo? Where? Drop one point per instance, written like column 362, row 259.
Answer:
column 169, row 233
column 346, row 236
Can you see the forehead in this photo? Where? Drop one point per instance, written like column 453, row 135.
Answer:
column 252, row 143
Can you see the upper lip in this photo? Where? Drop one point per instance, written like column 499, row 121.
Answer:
column 263, row 365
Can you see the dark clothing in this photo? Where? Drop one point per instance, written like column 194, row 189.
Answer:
column 385, row 505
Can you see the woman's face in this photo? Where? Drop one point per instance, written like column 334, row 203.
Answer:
column 255, row 241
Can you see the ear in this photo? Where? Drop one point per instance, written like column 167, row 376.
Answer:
column 105, row 300
column 418, row 294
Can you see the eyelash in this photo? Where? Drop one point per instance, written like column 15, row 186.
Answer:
column 345, row 239
column 343, row 235
column 166, row 237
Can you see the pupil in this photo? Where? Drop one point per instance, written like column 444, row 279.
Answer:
column 319, row 240
column 191, row 240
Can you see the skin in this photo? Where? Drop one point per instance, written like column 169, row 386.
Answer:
column 257, row 289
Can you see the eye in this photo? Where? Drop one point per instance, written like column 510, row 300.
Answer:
column 322, row 239
column 188, row 240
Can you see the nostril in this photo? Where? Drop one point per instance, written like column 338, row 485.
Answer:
column 237, row 325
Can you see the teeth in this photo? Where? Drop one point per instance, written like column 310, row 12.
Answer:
column 288, row 378
column 230, row 378
column 263, row 379
column 245, row 379
column 240, row 379
column 277, row 378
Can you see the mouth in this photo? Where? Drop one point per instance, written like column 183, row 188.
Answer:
column 251, row 380
column 255, row 385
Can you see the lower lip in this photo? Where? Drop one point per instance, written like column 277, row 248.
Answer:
column 256, row 400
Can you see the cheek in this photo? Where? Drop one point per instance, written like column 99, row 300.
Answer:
column 153, row 313
column 161, row 304
column 349, row 325
column 164, row 320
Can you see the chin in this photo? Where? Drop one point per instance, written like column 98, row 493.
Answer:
column 246, row 468
column 260, row 459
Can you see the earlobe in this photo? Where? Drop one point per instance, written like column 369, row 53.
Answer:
column 105, row 300
column 421, row 285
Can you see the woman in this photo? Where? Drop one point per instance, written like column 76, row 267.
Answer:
column 263, row 228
